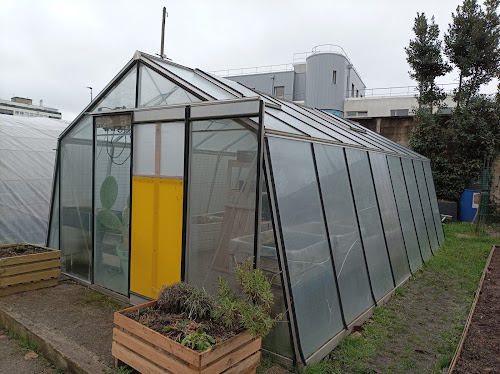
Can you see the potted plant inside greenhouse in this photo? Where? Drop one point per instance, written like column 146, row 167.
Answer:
column 116, row 225
column 25, row 266
column 188, row 331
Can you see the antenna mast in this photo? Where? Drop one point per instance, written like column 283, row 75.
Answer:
column 162, row 51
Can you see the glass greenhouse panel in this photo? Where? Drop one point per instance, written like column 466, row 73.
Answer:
column 273, row 123
column 426, row 204
column 278, row 340
column 172, row 149
column 404, row 211
column 144, row 149
column 434, row 201
column 76, row 200
column 416, row 208
column 53, row 239
column 112, row 208
column 350, row 267
column 372, row 232
column 122, row 96
column 221, row 211
column 308, row 257
column 390, row 219
column 157, row 90
column 197, row 80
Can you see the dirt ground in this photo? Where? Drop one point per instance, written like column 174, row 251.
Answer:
column 481, row 350
column 20, row 250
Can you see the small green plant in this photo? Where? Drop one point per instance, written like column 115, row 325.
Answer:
column 253, row 313
column 167, row 328
column 198, row 341
column 124, row 369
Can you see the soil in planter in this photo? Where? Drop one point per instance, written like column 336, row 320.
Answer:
column 481, row 350
column 178, row 326
column 21, row 250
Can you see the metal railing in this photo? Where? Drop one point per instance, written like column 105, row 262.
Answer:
column 396, row 91
column 253, row 70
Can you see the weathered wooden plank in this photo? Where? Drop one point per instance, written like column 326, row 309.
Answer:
column 248, row 365
column 232, row 358
column 135, row 361
column 143, row 332
column 30, row 277
column 29, row 267
column 53, row 254
column 161, row 358
column 136, row 307
column 224, row 347
column 9, row 290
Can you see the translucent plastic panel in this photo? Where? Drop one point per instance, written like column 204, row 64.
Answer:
column 278, row 340
column 416, row 208
column 221, row 212
column 308, row 257
column 112, row 208
column 156, row 90
column 76, row 200
column 172, row 149
column 390, row 218
column 346, row 136
column 350, row 265
column 121, row 96
column 426, row 204
column 198, row 81
column 298, row 124
column 273, row 123
column 53, row 239
column 144, row 149
column 434, row 201
column 369, row 223
column 404, row 211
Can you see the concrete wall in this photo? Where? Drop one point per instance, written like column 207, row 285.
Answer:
column 382, row 106
column 397, row 129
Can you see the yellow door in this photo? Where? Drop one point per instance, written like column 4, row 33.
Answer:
column 156, row 243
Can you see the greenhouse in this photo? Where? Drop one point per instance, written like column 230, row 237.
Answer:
column 27, row 157
column 176, row 174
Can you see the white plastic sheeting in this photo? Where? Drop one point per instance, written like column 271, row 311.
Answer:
column 27, row 156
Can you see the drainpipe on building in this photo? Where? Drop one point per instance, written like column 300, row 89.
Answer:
column 272, row 85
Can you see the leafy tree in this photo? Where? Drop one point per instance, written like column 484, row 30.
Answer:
column 426, row 61
column 472, row 45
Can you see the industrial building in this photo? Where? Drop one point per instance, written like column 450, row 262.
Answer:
column 20, row 106
column 320, row 79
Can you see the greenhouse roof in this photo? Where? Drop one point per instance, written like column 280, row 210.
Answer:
column 282, row 116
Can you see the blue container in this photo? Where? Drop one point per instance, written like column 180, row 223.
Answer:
column 466, row 212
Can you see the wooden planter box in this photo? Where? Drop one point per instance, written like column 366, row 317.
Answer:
column 147, row 351
column 29, row 272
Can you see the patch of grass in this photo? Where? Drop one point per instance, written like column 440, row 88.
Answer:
column 124, row 369
column 395, row 339
column 267, row 361
column 97, row 299
column 27, row 344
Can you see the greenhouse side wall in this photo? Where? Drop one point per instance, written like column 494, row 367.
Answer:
column 354, row 225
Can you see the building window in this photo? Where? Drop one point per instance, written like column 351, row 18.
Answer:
column 17, row 112
column 399, row 112
column 334, row 77
column 279, row 91
column 363, row 113
column 352, row 90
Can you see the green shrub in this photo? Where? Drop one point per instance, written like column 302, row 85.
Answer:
column 198, row 341
column 184, row 298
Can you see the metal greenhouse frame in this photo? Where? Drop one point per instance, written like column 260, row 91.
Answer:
column 175, row 174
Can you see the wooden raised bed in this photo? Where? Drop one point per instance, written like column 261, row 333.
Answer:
column 147, row 351
column 29, row 272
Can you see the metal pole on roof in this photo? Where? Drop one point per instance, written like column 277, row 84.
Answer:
column 162, row 54
column 90, row 93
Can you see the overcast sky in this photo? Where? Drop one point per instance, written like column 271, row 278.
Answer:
column 53, row 49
